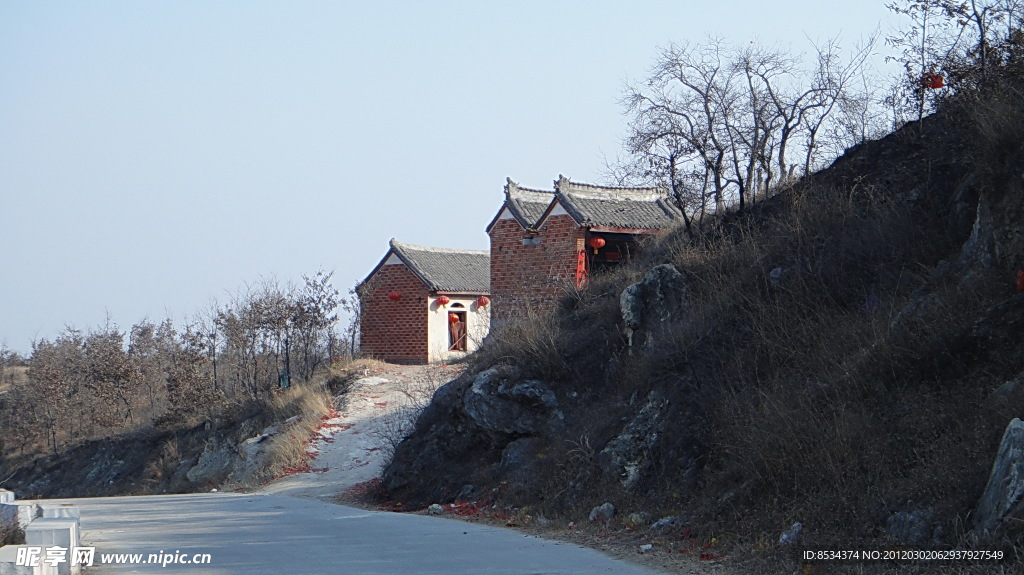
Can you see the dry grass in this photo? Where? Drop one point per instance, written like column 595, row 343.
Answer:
column 160, row 469
column 850, row 387
column 288, row 450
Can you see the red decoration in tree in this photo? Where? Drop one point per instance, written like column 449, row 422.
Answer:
column 453, row 318
column 394, row 296
column 443, row 301
column 483, row 301
column 933, row 81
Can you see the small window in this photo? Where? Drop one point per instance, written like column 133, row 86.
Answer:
column 456, row 330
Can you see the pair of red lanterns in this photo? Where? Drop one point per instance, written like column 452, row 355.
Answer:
column 481, row 301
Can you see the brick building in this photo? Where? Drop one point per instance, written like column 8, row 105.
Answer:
column 546, row 242
column 424, row 305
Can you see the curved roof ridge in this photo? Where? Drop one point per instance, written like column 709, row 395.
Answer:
column 512, row 188
column 565, row 186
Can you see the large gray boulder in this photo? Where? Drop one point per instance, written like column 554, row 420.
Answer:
column 476, row 429
column 214, row 464
column 499, row 402
column 653, row 300
column 1002, row 502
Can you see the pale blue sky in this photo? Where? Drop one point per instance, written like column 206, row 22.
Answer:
column 157, row 155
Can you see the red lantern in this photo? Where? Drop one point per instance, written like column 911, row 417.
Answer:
column 394, row 296
column 453, row 318
column 596, row 243
column 443, row 301
column 933, row 81
column 483, row 301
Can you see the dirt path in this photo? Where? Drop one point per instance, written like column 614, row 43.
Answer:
column 354, row 445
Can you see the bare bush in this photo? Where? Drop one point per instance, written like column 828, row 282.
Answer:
column 413, row 396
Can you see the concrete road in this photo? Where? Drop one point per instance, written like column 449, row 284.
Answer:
column 256, row 534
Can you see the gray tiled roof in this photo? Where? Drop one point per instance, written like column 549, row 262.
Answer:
column 525, row 204
column 444, row 269
column 636, row 208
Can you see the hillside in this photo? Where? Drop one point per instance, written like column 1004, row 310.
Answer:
column 844, row 355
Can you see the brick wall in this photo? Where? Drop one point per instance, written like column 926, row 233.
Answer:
column 531, row 277
column 394, row 331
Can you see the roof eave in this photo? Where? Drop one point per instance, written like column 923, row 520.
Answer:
column 460, row 292
column 622, row 230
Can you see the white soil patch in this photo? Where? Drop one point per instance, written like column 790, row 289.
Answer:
column 353, row 446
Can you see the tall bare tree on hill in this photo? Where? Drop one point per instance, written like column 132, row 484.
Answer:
column 717, row 122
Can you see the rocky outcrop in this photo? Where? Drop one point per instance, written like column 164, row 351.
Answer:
column 475, row 429
column 653, row 300
column 627, row 456
column 1002, row 502
column 500, row 404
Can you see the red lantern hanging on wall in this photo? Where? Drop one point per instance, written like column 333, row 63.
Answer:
column 932, row 81
column 394, row 296
column 596, row 242
column 443, row 301
column 483, row 301
column 453, row 318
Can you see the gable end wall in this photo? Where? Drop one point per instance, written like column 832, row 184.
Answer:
column 530, row 277
column 394, row 331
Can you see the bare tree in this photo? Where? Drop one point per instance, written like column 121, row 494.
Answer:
column 716, row 122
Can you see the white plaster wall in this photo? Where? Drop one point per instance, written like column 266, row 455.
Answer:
column 478, row 320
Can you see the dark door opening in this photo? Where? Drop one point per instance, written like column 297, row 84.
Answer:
column 457, row 331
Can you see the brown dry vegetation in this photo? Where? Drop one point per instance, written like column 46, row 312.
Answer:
column 289, row 450
column 857, row 386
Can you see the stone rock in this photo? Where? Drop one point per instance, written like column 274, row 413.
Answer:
column 1004, row 391
column 251, row 461
column 602, row 513
column 626, row 456
column 791, row 535
column 646, row 547
column 214, row 464
column 519, row 457
column 636, row 519
column 498, row 402
column 775, row 276
column 666, row 523
column 435, row 509
column 655, row 299
column 1002, row 502
column 910, row 527
column 466, row 493
column 979, row 249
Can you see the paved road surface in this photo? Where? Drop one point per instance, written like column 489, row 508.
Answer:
column 264, row 534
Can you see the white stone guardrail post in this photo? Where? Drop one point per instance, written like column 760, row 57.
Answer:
column 44, row 526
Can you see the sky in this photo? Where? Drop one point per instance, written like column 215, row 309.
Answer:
column 156, row 157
